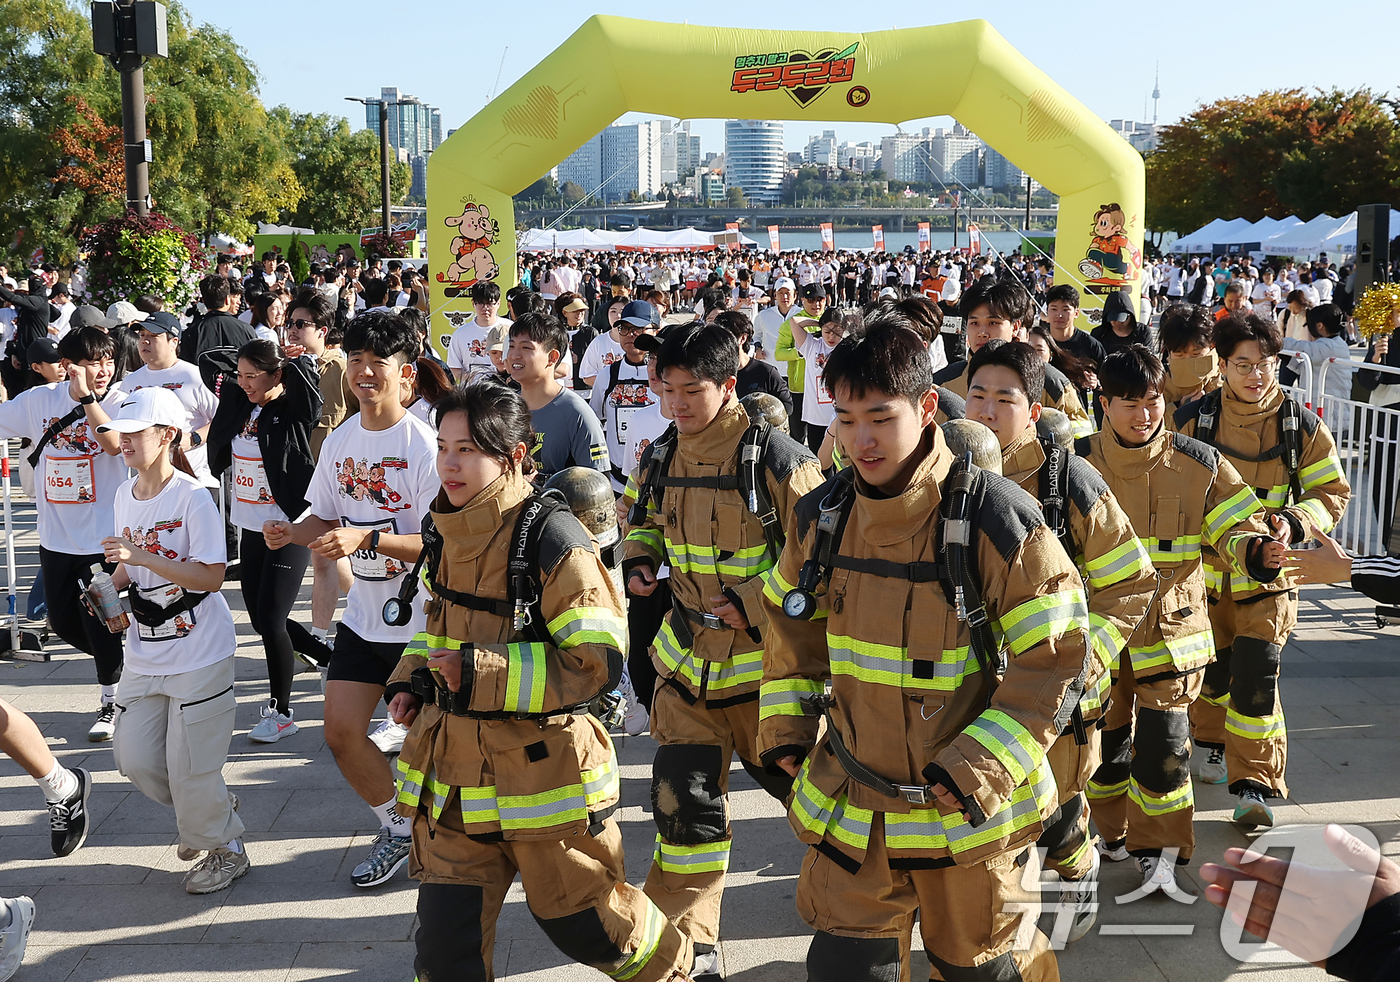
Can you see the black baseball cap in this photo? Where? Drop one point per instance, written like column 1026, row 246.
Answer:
column 43, row 350
column 812, row 291
column 162, row 322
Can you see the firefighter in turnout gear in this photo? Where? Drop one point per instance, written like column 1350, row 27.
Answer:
column 1186, row 333
column 1286, row 453
column 504, row 769
column 1003, row 309
column 929, row 778
column 713, row 494
column 1004, row 393
column 1182, row 497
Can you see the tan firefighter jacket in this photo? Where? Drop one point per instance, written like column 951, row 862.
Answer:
column 1182, row 497
column 1113, row 561
column 910, row 699
column 1247, row 430
column 552, row 773
column 715, row 547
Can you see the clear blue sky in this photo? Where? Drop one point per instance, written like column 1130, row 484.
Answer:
column 312, row 55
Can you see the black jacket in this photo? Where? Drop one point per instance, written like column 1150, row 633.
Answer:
column 284, row 433
column 761, row 376
column 32, row 320
column 214, row 330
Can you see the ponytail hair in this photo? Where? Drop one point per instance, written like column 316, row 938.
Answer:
column 178, row 458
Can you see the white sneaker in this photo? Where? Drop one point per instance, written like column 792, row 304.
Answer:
column 388, row 736
column 1159, row 873
column 636, row 720
column 106, row 724
column 273, row 726
column 1115, row 853
column 14, row 937
column 1079, row 899
column 1213, row 769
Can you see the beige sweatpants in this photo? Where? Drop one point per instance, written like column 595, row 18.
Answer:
column 172, row 739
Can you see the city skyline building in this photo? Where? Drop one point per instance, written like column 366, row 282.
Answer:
column 754, row 158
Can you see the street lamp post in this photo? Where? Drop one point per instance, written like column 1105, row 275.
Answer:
column 383, row 152
column 128, row 32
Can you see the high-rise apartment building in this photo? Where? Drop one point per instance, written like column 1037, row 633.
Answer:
column 754, row 158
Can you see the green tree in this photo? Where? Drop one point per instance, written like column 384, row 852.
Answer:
column 1278, row 153
column 572, row 193
column 337, row 171
column 734, row 197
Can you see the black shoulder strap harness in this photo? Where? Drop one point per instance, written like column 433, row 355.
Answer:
column 1054, row 493
column 55, row 428
column 523, row 576
column 956, row 570
column 749, row 481
column 1290, row 437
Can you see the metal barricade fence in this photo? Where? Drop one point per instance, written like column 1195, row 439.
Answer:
column 1301, row 390
column 1367, row 439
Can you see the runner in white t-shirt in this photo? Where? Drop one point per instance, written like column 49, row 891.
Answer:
column 371, row 489
column 177, row 698
column 77, row 475
column 158, row 339
column 469, row 351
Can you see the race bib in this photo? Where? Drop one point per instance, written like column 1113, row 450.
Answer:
column 250, row 481
column 369, row 565
column 177, row 627
column 623, row 414
column 68, row 481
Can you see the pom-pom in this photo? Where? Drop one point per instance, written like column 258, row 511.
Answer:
column 1376, row 312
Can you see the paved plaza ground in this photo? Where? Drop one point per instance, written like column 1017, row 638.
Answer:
column 115, row 910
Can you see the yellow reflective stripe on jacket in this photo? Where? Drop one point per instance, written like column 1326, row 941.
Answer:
column 558, row 806
column 1320, row 472
column 707, row 857
column 479, row 805
column 926, row 828
column 1233, row 546
column 1095, row 697
column 1043, row 619
column 1230, row 513
column 1183, row 653
column 1107, row 640
column 653, row 928
column 690, row 558
column 886, row 664
column 414, row 785
column 423, row 644
column 741, row 669
column 818, row 812
column 588, row 625
column 1215, row 579
column 649, row 537
column 775, row 588
column 1117, row 565
column 600, row 783
column 526, row 676
column 1318, row 512
column 783, row 697
column 1178, row 550
column 1276, row 497
column 1008, row 741
column 1181, row 799
column 631, row 491
column 1081, row 426
column 1254, row 727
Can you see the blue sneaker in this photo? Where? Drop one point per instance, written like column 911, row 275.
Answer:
column 388, row 853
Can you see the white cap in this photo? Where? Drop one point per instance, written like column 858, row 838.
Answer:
column 125, row 313
column 889, row 293
column 782, row 283
column 144, row 408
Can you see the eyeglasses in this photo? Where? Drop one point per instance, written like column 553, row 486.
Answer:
column 631, row 330
column 1244, row 369
column 300, row 322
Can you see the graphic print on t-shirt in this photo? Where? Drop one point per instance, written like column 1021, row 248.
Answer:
column 148, row 540
column 364, row 481
column 73, row 438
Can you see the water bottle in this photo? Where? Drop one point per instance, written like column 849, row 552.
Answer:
column 106, row 601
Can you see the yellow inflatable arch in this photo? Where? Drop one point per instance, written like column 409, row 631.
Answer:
column 614, row 65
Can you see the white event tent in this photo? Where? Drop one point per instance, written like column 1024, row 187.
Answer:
column 688, row 239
